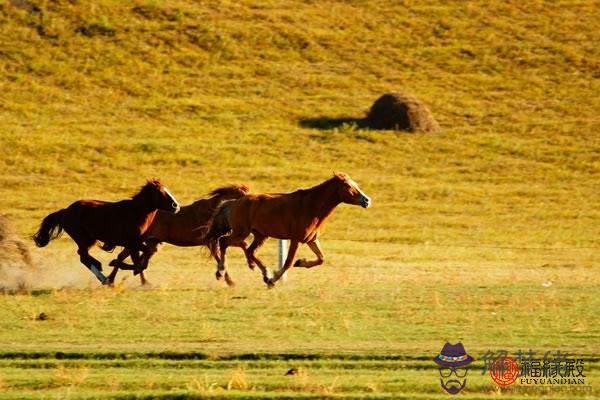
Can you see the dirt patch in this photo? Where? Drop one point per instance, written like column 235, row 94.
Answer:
column 399, row 111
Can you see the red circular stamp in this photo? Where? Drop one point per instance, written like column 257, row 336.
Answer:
column 504, row 371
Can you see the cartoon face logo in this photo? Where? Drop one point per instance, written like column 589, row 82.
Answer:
column 453, row 363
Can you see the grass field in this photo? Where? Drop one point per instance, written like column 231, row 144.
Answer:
column 486, row 233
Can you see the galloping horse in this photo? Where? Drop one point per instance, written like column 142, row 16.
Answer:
column 116, row 224
column 296, row 216
column 186, row 228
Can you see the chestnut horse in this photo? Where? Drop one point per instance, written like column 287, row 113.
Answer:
column 186, row 228
column 116, row 224
column 296, row 216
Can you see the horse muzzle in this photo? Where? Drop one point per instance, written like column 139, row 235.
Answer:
column 365, row 202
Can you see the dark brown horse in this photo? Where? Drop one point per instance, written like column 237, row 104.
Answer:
column 116, row 224
column 296, row 216
column 186, row 228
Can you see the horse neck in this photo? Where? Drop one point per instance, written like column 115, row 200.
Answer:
column 325, row 198
column 142, row 207
column 147, row 219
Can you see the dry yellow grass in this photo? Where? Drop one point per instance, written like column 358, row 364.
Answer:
column 487, row 232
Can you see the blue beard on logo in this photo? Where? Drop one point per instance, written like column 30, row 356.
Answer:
column 451, row 385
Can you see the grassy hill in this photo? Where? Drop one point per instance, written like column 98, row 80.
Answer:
column 96, row 97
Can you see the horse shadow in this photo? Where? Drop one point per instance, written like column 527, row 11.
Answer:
column 327, row 124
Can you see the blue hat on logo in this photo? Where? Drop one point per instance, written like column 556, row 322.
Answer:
column 453, row 355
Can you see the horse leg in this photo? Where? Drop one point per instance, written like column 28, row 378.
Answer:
column 90, row 262
column 286, row 265
column 148, row 252
column 224, row 242
column 143, row 279
column 116, row 263
column 249, row 260
column 316, row 248
column 258, row 241
column 84, row 244
column 136, row 259
column 234, row 240
column 119, row 261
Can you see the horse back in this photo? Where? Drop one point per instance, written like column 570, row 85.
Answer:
column 278, row 215
column 94, row 209
column 119, row 223
column 189, row 225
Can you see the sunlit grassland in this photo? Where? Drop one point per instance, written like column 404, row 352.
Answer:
column 486, row 233
column 118, row 375
column 203, row 95
column 361, row 325
column 338, row 309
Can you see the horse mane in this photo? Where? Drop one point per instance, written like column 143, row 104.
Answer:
column 341, row 176
column 231, row 189
column 336, row 178
column 326, row 182
column 150, row 185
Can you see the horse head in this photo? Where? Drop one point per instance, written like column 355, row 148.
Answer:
column 158, row 197
column 349, row 192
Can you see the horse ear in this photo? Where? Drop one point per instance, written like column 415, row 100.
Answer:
column 340, row 175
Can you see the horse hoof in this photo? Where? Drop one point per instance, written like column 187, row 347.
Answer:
column 138, row 271
column 298, row 262
column 218, row 275
column 269, row 282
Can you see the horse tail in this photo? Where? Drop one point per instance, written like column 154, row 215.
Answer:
column 218, row 226
column 49, row 229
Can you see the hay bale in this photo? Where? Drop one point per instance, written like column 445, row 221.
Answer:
column 399, row 111
column 13, row 251
column 15, row 259
column 5, row 230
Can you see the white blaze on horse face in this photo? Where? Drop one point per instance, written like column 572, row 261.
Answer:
column 365, row 200
column 174, row 202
